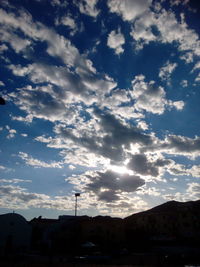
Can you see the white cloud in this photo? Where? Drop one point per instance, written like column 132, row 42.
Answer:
column 177, row 104
column 24, row 135
column 129, row 9
column 59, row 3
column 71, row 167
column 16, row 197
column 197, row 79
column 11, row 132
column 57, row 45
column 196, row 66
column 102, row 136
column 150, row 191
column 2, row 167
column 36, row 163
column 191, row 193
column 184, row 83
column 180, row 170
column 88, row 7
column 68, row 21
column 26, row 119
column 188, row 57
column 58, row 104
column 3, row 48
column 84, row 84
column 178, row 2
column 107, row 185
column 116, row 41
column 194, row 171
column 142, row 125
column 177, row 145
column 17, row 43
column 142, row 30
column 2, row 83
column 82, row 157
column 14, row 181
column 194, row 190
column 150, row 97
column 146, row 165
column 169, row 29
column 166, row 70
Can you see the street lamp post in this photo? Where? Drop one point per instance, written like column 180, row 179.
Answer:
column 76, row 195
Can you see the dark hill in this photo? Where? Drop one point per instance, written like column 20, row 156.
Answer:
column 171, row 207
column 178, row 221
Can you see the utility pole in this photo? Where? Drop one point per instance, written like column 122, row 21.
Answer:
column 76, row 195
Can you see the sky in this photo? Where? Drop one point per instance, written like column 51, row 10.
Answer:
column 102, row 98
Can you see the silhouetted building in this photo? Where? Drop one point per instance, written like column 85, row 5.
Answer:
column 15, row 233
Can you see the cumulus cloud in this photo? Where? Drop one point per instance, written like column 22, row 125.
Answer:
column 16, row 197
column 3, row 48
column 169, row 30
column 107, row 185
column 146, row 166
column 59, row 3
column 11, row 132
column 196, row 66
column 57, row 45
column 180, row 169
column 36, row 163
column 181, row 144
column 106, row 138
column 194, row 190
column 129, row 9
column 68, row 21
column 84, row 84
column 17, row 43
column 197, row 79
column 150, row 97
column 24, row 135
column 58, row 100
column 142, row 125
column 188, row 57
column 88, row 7
column 116, row 41
column 149, row 191
column 178, row 2
column 166, row 70
column 141, row 30
column 40, row 103
column 177, row 145
column 184, row 83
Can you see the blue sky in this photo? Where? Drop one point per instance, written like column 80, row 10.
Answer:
column 102, row 98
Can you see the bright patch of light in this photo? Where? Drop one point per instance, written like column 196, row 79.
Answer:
column 120, row 169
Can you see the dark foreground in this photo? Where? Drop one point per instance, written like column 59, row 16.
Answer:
column 158, row 256
column 167, row 235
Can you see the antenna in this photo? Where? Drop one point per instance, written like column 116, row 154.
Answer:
column 76, row 195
